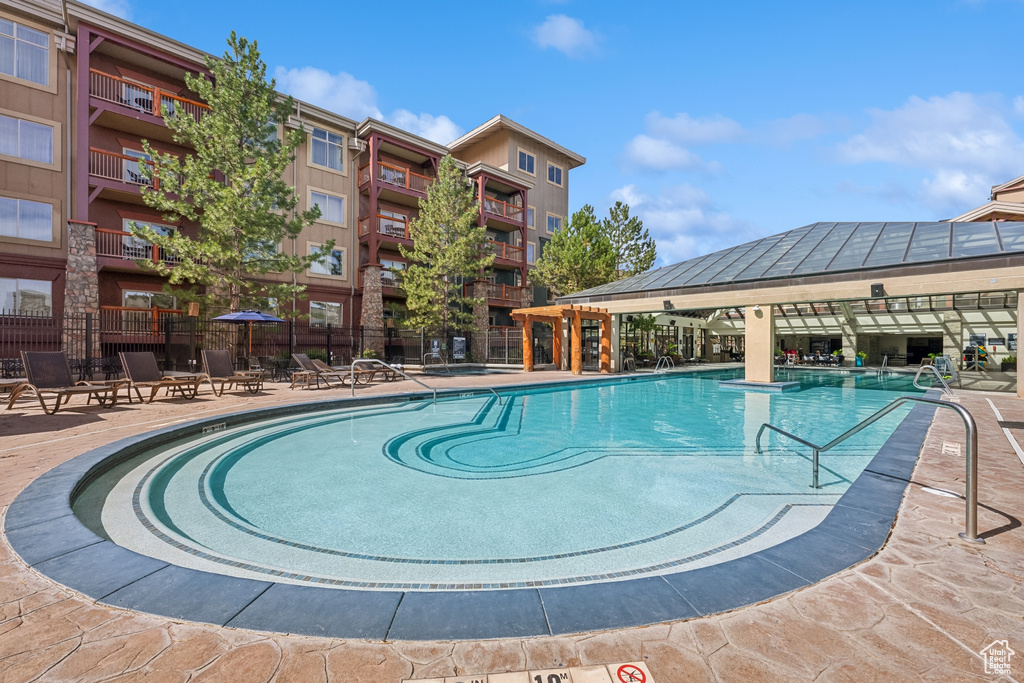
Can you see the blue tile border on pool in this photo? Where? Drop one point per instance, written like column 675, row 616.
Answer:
column 42, row 529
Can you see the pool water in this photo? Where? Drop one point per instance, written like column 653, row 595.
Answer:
column 546, row 486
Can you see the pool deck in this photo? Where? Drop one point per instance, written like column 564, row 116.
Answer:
column 922, row 608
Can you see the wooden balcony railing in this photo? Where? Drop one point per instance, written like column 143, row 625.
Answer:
column 502, row 295
column 398, row 176
column 133, row 321
column 114, row 166
column 122, row 245
column 506, row 252
column 510, row 212
column 143, row 98
column 388, row 278
column 388, row 226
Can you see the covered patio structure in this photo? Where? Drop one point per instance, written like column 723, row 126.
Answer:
column 555, row 315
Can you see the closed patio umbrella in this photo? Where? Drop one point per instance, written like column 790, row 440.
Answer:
column 248, row 317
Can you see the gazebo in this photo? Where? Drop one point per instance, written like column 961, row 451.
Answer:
column 556, row 315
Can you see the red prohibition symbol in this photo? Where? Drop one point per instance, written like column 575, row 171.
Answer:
column 628, row 673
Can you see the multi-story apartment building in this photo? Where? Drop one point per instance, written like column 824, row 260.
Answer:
column 83, row 89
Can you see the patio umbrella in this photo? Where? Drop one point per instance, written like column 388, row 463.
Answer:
column 248, row 317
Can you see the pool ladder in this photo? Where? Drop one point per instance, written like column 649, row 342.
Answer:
column 431, row 354
column 971, row 522
column 665, row 362
column 942, row 380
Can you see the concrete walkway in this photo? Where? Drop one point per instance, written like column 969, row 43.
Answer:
column 921, row 609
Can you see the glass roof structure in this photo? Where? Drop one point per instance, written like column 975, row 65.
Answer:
column 825, row 248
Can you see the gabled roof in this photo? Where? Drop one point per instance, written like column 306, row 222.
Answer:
column 822, row 248
column 376, row 125
column 501, row 122
column 1012, row 208
column 1007, row 185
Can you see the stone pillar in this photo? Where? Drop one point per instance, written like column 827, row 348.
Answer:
column 953, row 333
column 81, row 291
column 848, row 329
column 481, row 322
column 372, row 316
column 760, row 344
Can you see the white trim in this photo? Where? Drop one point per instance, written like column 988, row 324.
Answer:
column 344, row 264
column 561, row 223
column 344, row 148
column 561, row 175
column 520, row 150
column 344, row 205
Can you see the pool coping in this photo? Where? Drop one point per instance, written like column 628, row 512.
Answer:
column 43, row 530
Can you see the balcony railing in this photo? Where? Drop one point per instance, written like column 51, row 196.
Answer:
column 397, row 176
column 142, row 98
column 388, row 278
column 506, row 252
column 114, row 166
column 123, row 245
column 133, row 321
column 388, row 226
column 501, row 295
column 510, row 212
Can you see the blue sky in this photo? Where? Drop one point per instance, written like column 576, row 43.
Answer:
column 716, row 122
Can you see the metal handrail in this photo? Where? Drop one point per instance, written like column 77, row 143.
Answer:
column 945, row 387
column 948, row 364
column 669, row 363
column 971, row 521
column 431, row 354
column 377, row 361
column 885, row 369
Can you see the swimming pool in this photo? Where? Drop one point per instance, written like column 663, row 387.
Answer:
column 544, row 486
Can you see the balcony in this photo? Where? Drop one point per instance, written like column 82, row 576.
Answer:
column 121, row 245
column 503, row 211
column 396, row 177
column 388, row 282
column 142, row 324
column 141, row 98
column 390, row 229
column 507, row 254
column 499, row 295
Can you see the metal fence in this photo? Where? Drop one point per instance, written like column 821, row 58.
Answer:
column 93, row 340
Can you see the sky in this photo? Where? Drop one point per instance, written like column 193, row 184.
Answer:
column 717, row 123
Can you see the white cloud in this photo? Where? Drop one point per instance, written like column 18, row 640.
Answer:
column 1018, row 105
column 440, row 129
column 685, row 130
column 963, row 141
column 119, row 8
column 566, row 35
column 658, row 154
column 343, row 93
column 684, row 221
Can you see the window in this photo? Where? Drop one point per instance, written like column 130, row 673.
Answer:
column 134, row 299
column 324, row 313
column 26, row 219
column 138, row 248
column 24, row 52
column 25, row 296
column 332, row 207
column 334, row 264
column 388, row 270
column 325, row 149
column 554, row 223
column 392, row 223
column 132, row 172
column 529, row 252
column 555, row 175
column 530, row 211
column 527, row 162
column 26, row 139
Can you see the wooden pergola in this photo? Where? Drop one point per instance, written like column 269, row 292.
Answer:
column 575, row 315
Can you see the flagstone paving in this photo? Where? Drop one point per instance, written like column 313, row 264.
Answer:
column 921, row 609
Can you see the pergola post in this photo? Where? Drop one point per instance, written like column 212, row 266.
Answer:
column 577, row 344
column 606, row 344
column 556, row 344
column 528, row 344
column 760, row 343
column 1020, row 336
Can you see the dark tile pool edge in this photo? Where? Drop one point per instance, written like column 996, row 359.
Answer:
column 44, row 532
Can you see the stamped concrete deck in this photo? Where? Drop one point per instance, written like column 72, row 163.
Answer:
column 921, row 609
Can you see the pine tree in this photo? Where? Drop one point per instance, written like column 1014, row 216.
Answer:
column 448, row 250
column 578, row 257
column 635, row 250
column 231, row 186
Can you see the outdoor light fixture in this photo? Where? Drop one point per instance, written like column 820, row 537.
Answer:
column 629, row 318
column 757, row 307
column 668, row 304
column 672, row 323
column 877, row 290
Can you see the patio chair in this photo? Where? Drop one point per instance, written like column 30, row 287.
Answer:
column 48, row 373
column 311, row 371
column 217, row 369
column 142, row 372
column 256, row 368
column 364, row 372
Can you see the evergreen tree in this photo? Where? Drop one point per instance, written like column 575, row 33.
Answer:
column 635, row 250
column 578, row 257
column 448, row 250
column 231, row 186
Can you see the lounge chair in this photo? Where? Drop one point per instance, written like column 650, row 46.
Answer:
column 311, row 371
column 217, row 369
column 142, row 372
column 49, row 373
column 256, row 368
column 366, row 371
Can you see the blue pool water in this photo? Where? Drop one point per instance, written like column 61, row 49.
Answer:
column 552, row 485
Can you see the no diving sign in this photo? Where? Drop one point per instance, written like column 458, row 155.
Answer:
column 629, row 673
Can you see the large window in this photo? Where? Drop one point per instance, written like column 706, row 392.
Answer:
column 324, row 313
column 332, row 207
column 26, row 219
column 530, row 213
column 132, row 171
column 326, row 149
column 334, row 264
column 26, row 139
column 388, row 270
column 555, row 174
column 138, row 248
column 134, row 299
column 554, row 223
column 24, row 52
column 527, row 162
column 21, row 296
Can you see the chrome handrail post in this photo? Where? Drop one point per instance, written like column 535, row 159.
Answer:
column 814, row 471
